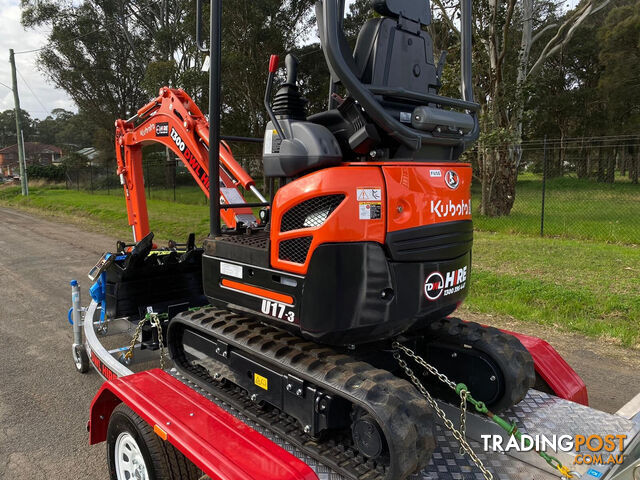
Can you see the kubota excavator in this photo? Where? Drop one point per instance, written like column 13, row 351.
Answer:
column 365, row 246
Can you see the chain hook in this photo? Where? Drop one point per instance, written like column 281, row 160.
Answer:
column 154, row 320
column 462, row 390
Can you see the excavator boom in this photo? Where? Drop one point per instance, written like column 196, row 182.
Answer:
column 174, row 120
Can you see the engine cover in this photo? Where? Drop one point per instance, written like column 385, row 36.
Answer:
column 353, row 294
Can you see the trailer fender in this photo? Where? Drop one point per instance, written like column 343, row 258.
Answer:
column 554, row 370
column 219, row 444
column 101, row 409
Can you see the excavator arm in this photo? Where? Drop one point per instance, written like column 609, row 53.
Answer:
column 174, row 120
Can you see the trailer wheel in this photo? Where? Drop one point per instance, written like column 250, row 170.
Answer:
column 135, row 452
column 80, row 358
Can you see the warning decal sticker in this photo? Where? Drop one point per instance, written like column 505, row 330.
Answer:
column 261, row 381
column 370, row 210
column 369, row 194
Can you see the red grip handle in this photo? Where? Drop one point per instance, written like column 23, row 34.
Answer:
column 273, row 63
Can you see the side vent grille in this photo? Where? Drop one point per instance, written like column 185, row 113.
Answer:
column 295, row 250
column 310, row 213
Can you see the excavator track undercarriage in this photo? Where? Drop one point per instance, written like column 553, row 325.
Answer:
column 387, row 411
column 365, row 421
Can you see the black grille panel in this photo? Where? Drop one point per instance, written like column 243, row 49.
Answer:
column 256, row 240
column 295, row 250
column 431, row 243
column 310, row 213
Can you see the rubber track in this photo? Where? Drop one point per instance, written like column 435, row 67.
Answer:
column 336, row 452
column 513, row 358
column 404, row 416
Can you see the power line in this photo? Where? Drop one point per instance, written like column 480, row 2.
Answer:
column 31, row 90
column 49, row 45
column 6, row 86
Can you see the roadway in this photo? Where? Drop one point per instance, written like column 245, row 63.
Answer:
column 44, row 402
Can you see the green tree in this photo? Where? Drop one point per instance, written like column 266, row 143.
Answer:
column 513, row 41
column 251, row 32
column 124, row 51
column 8, row 127
column 619, row 82
column 620, row 59
column 99, row 69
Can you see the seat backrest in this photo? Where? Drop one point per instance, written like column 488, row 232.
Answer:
column 414, row 10
column 393, row 51
column 392, row 77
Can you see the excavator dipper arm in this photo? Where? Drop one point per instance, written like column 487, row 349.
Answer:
column 174, row 120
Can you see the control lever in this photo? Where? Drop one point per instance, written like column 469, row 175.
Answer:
column 273, row 68
column 291, row 63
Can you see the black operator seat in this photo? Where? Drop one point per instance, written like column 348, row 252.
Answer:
column 393, row 50
column 393, row 57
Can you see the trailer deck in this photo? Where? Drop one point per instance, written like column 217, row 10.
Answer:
column 539, row 413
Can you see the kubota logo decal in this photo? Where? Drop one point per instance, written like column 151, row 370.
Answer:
column 436, row 285
column 451, row 179
column 147, row 129
column 450, row 209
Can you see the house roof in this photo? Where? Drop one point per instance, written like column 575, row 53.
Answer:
column 33, row 147
column 90, row 153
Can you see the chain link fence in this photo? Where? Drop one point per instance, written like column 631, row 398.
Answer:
column 164, row 178
column 583, row 188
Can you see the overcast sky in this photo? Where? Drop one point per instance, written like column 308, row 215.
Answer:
column 44, row 97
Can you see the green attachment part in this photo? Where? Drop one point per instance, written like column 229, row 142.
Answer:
column 512, row 430
column 480, row 406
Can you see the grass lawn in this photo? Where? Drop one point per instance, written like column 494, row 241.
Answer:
column 587, row 287
column 592, row 287
column 191, row 195
column 107, row 213
column 582, row 209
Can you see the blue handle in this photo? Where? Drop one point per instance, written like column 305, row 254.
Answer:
column 69, row 316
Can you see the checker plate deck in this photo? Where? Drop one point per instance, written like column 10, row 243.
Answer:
column 539, row 413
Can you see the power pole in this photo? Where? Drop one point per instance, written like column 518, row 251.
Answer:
column 19, row 137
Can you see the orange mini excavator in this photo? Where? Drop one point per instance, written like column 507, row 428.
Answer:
column 363, row 247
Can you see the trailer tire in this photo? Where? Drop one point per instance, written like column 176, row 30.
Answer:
column 162, row 461
column 80, row 358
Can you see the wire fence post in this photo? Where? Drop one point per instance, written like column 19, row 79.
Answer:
column 91, row 176
column 544, row 185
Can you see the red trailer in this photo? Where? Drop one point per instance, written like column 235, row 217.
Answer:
column 313, row 336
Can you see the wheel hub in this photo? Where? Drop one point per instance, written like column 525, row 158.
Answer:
column 76, row 356
column 367, row 436
column 129, row 461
